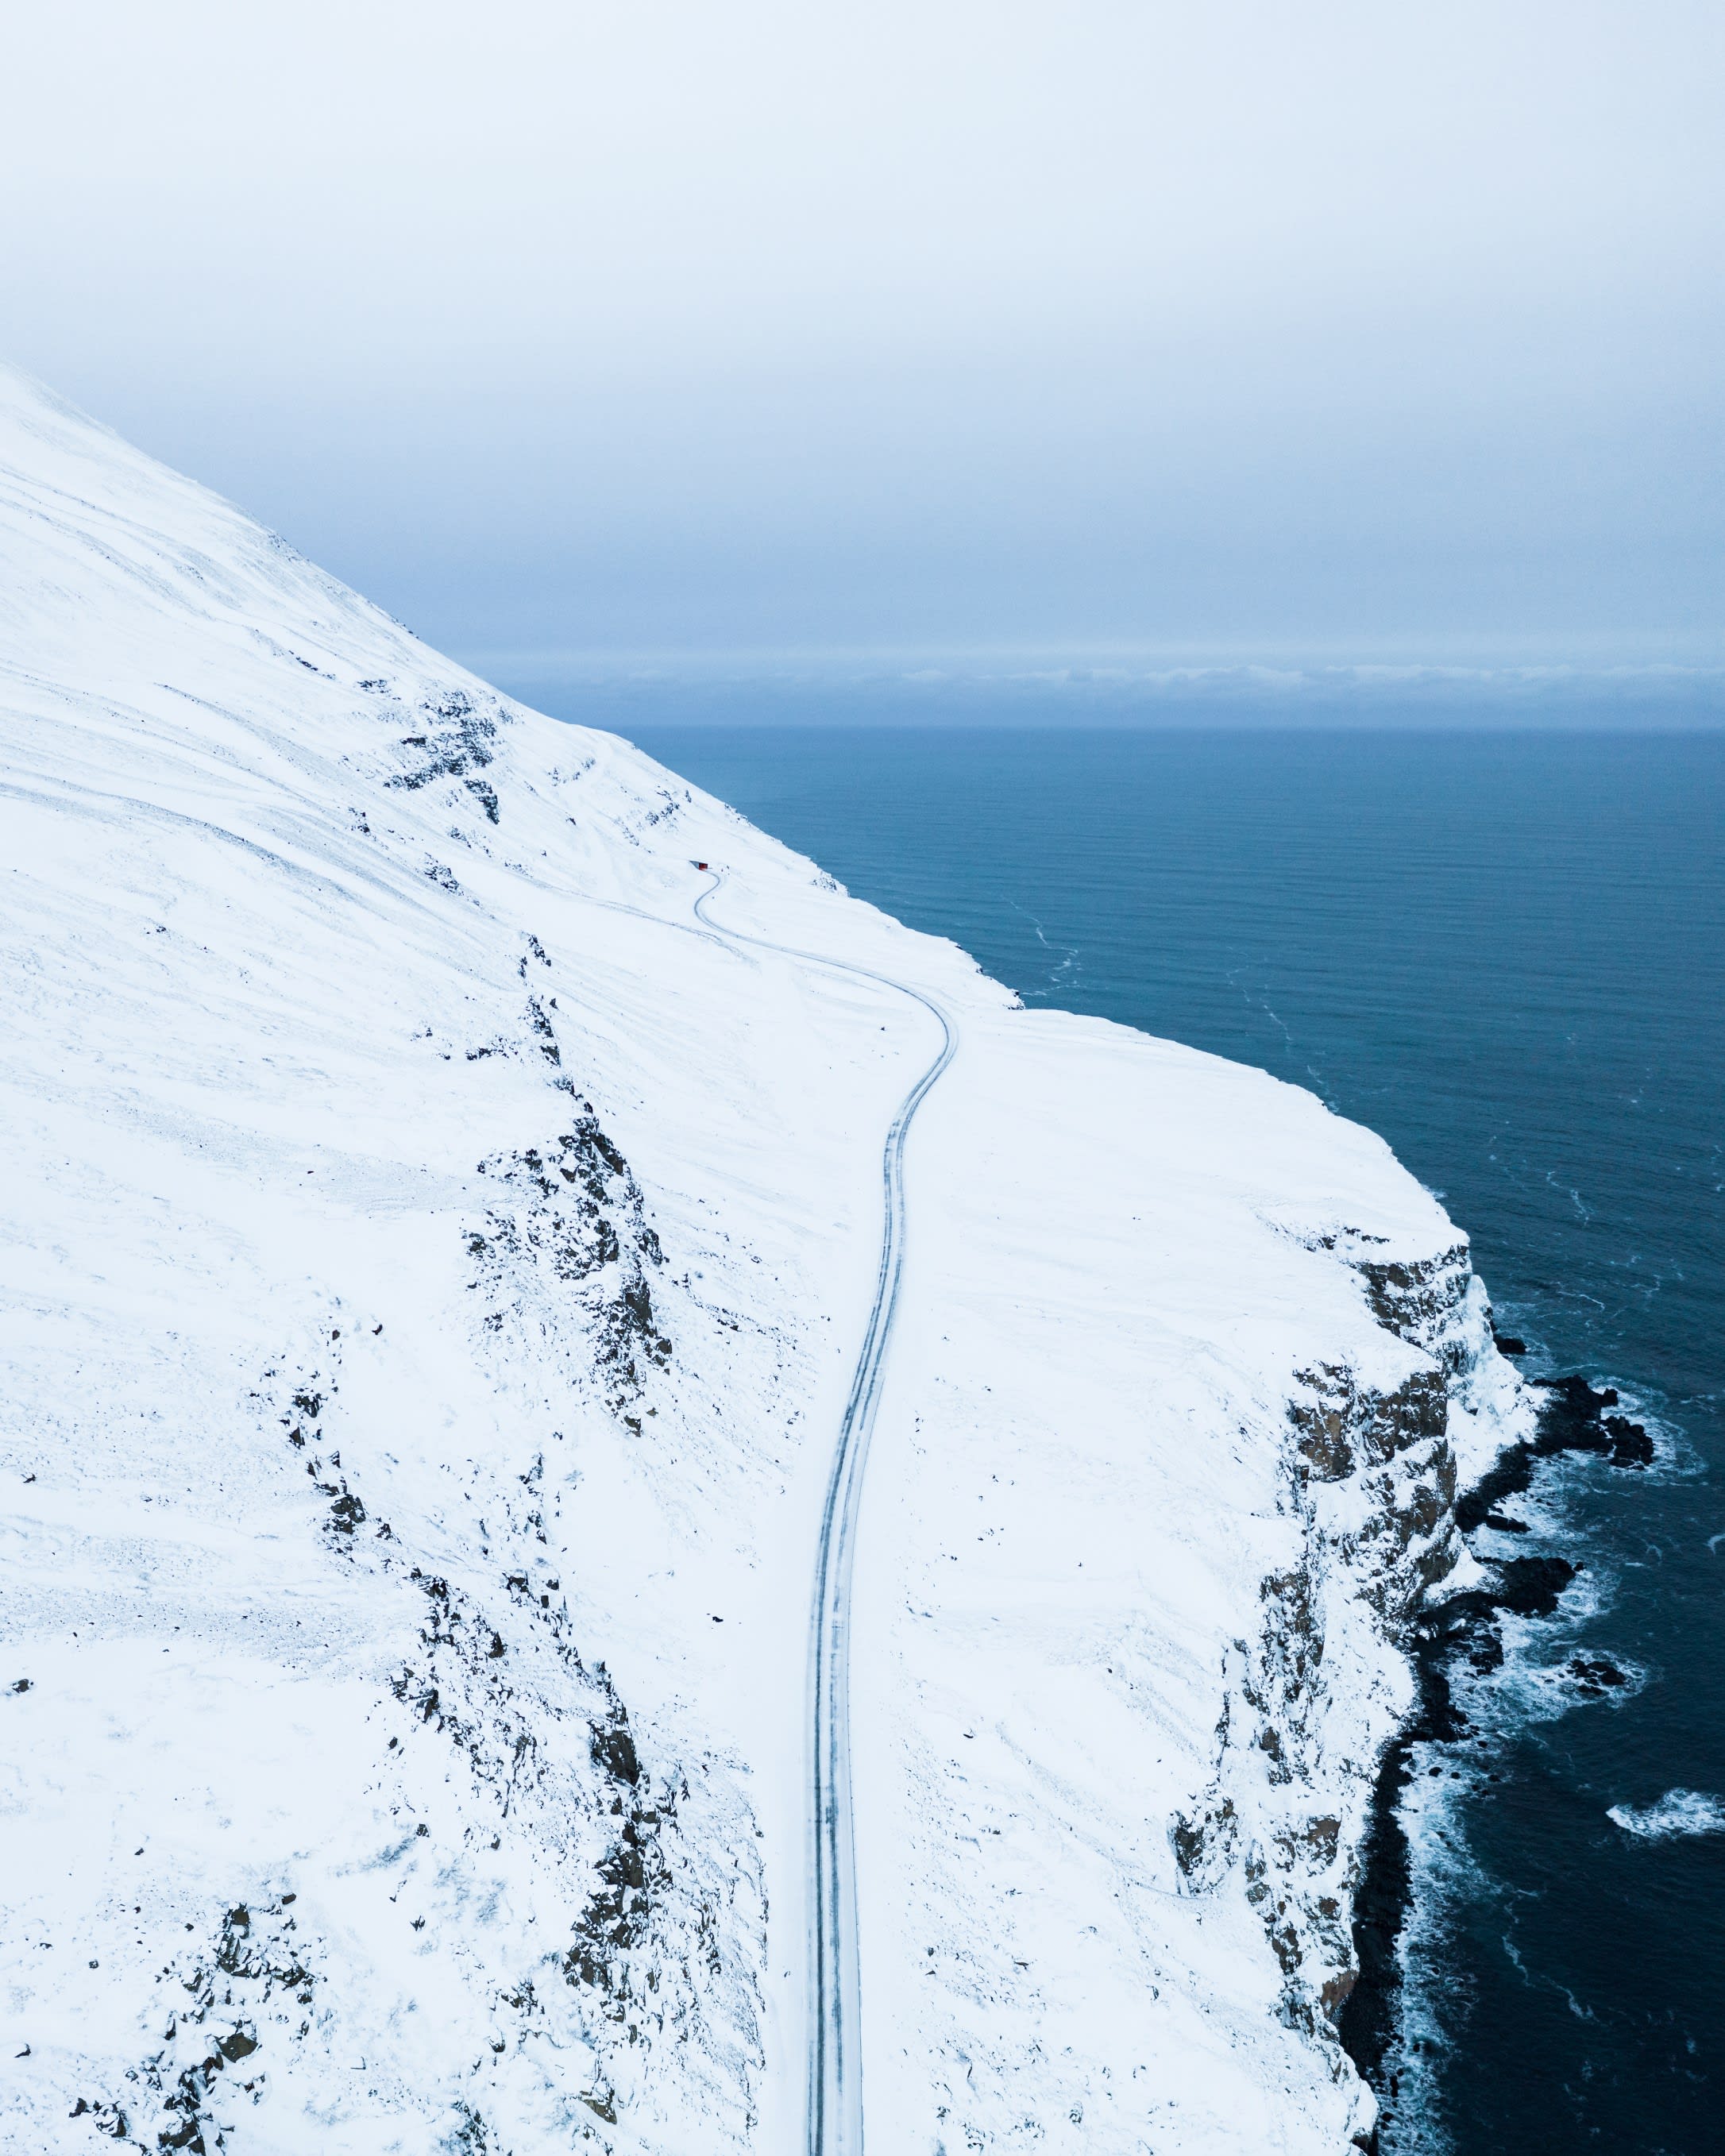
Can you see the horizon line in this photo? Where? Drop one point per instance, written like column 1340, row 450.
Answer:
column 929, row 670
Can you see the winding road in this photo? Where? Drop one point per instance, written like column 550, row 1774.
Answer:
column 835, row 2093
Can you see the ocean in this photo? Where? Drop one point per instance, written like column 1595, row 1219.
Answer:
column 1507, row 953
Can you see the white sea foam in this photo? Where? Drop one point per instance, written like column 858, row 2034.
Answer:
column 1678, row 1812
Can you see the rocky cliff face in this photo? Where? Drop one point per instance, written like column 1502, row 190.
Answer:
column 1371, row 1480
column 435, row 1262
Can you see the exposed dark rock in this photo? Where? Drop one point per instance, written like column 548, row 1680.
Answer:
column 1390, row 1445
column 347, row 1512
column 1630, row 1445
column 1421, row 1302
column 1345, row 1426
column 613, row 1749
column 1460, row 1634
column 1572, row 1420
column 1595, row 1676
column 455, row 743
column 1204, row 1843
column 616, row 1939
column 546, row 1032
column 250, row 1970
column 578, row 1223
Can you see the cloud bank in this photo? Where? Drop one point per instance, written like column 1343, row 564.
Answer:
column 1382, row 334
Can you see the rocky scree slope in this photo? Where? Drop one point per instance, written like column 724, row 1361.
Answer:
column 432, row 1266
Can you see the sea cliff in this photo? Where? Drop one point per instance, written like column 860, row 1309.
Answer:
column 435, row 1262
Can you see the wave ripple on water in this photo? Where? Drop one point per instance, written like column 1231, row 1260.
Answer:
column 1678, row 1811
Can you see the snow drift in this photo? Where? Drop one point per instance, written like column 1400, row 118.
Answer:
column 434, row 1266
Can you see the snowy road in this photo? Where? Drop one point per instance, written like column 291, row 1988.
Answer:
column 835, row 2095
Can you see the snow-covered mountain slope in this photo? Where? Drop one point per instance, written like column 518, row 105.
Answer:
column 434, row 1264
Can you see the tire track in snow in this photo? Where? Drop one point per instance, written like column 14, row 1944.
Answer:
column 835, row 2093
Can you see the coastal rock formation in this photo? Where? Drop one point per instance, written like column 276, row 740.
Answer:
column 435, row 1262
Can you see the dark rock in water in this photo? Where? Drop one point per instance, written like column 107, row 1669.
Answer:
column 1462, row 1633
column 1506, row 1344
column 1630, row 1445
column 1572, row 1420
column 1594, row 1675
column 1531, row 1585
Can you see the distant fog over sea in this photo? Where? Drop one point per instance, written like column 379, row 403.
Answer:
column 627, row 691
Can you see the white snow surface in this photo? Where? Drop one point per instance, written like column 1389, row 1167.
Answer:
column 432, row 1270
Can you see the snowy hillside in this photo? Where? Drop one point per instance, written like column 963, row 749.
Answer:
column 434, row 1267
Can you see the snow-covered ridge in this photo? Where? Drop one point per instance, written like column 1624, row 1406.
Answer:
column 434, row 1266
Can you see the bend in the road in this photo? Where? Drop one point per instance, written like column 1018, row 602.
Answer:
column 836, row 2104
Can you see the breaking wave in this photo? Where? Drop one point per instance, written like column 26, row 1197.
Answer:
column 1678, row 1812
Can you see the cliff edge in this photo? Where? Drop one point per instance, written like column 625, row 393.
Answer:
column 434, row 1264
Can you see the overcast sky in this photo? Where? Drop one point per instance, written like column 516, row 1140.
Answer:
column 1206, row 330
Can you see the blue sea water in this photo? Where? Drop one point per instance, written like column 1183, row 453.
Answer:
column 1507, row 953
